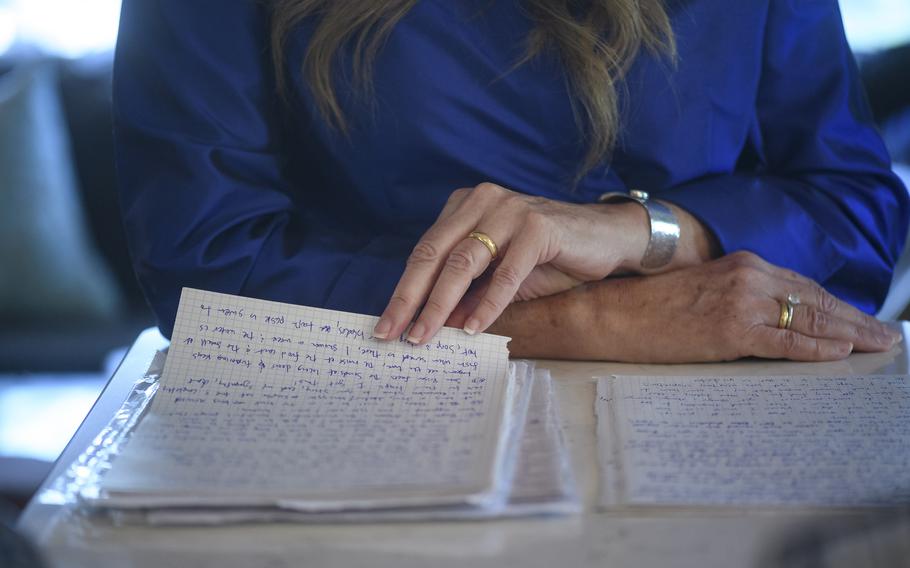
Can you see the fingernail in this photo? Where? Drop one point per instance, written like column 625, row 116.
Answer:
column 417, row 332
column 470, row 326
column 849, row 348
column 896, row 338
column 382, row 329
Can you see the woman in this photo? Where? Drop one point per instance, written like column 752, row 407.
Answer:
column 380, row 156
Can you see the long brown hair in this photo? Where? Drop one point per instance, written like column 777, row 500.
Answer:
column 596, row 40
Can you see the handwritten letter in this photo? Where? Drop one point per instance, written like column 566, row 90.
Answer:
column 754, row 440
column 261, row 401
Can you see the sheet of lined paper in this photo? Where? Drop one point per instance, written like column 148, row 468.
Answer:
column 262, row 400
column 828, row 441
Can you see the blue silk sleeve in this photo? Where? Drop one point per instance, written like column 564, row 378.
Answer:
column 822, row 199
column 204, row 200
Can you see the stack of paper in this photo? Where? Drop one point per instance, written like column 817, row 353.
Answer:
column 271, row 411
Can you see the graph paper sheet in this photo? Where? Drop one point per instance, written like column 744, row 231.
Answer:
column 263, row 403
column 776, row 441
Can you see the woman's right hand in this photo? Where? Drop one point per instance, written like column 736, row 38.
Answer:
column 719, row 311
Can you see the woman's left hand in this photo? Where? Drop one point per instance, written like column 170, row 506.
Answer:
column 544, row 247
column 717, row 311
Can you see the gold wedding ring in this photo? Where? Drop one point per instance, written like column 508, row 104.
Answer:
column 786, row 311
column 786, row 315
column 486, row 241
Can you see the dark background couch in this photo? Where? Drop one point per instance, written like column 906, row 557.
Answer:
column 887, row 79
column 28, row 344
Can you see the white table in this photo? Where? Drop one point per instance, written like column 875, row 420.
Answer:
column 679, row 538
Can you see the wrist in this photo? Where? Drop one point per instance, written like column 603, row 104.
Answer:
column 627, row 231
column 663, row 227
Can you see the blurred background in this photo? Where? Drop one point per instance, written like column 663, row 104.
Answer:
column 69, row 304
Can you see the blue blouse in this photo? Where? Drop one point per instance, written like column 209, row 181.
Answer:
column 761, row 131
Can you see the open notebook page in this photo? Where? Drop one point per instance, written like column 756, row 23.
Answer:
column 543, row 482
column 822, row 441
column 263, row 403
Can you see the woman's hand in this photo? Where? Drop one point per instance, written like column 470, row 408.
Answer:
column 719, row 311
column 545, row 247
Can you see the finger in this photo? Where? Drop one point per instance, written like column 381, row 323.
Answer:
column 773, row 343
column 813, row 294
column 461, row 312
column 422, row 269
column 813, row 322
column 466, row 262
column 469, row 301
column 521, row 258
column 456, row 198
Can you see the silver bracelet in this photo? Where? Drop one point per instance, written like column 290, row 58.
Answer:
column 664, row 227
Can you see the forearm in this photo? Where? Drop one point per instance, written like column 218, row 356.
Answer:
column 590, row 321
column 561, row 326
